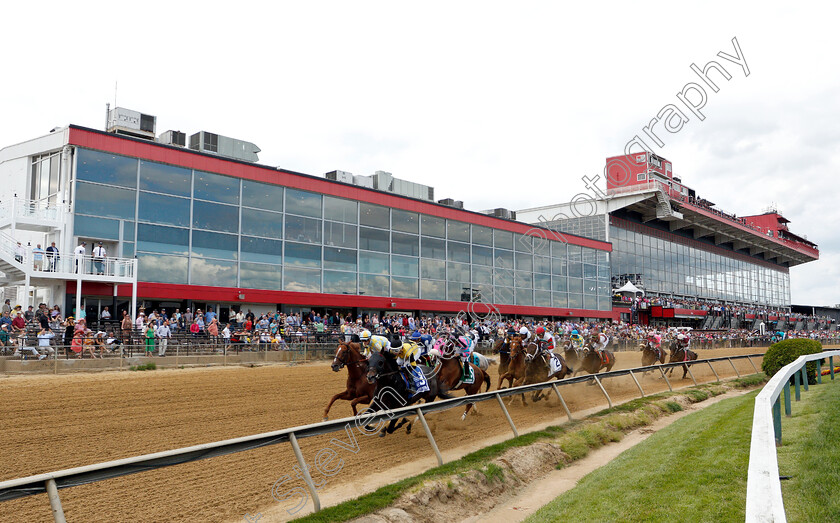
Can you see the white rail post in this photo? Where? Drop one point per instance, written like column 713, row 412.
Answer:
column 666, row 378
column 507, row 415
column 688, row 368
column 717, row 378
column 609, row 400
column 637, row 384
column 562, row 401
column 734, row 367
column 303, row 467
column 429, row 435
column 55, row 501
column 753, row 364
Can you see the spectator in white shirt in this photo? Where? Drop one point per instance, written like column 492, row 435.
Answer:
column 99, row 258
column 38, row 257
column 79, row 254
column 163, row 334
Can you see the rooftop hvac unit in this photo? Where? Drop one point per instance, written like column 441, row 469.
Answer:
column 339, row 176
column 224, row 146
column 458, row 204
column 505, row 214
column 173, row 138
column 131, row 123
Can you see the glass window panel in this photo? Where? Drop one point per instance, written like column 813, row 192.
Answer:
column 542, row 298
column 575, row 269
column 405, row 266
column 404, row 287
column 304, row 203
column 302, row 229
column 262, row 195
column 524, row 297
column 504, row 294
column 524, row 243
column 54, row 180
column 458, row 272
column 261, row 250
column 432, row 290
column 524, row 262
column 339, row 282
column 340, row 259
column 212, row 272
column 214, row 245
column 575, row 301
column 482, row 235
column 433, row 248
column 590, row 287
column 340, row 234
column 482, row 274
column 459, row 291
column 162, row 269
column 374, row 263
column 405, row 221
column 575, row 285
column 542, row 264
column 127, row 250
column 107, row 168
column 590, row 271
column 432, row 269
column 167, row 179
column 341, row 210
column 168, row 240
column 542, row 281
column 301, row 280
column 374, row 239
column 302, row 255
column 260, row 276
column 482, row 255
column 559, row 299
column 503, row 277
column 503, row 239
column 160, row 209
column 503, row 258
column 459, row 231
column 105, row 202
column 370, row 285
column 574, row 253
column 559, row 283
column 96, row 228
column 215, row 217
column 407, row 244
column 374, row 216
column 261, row 223
column 482, row 293
column 216, row 188
column 590, row 302
column 459, row 252
column 433, row 226
column 523, row 279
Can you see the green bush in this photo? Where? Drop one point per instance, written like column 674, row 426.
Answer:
column 786, row 351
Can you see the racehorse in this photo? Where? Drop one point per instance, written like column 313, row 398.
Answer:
column 449, row 372
column 679, row 353
column 592, row 362
column 384, row 372
column 651, row 354
column 572, row 357
column 538, row 369
column 515, row 371
column 504, row 355
column 348, row 354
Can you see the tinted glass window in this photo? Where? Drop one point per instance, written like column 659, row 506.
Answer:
column 340, row 210
column 214, row 273
column 542, row 264
column 262, row 195
column 503, row 239
column 214, row 245
column 262, row 250
column 96, row 228
column 340, row 234
column 216, row 188
column 523, row 279
column 432, row 290
column 163, row 269
column 433, row 226
column 433, row 248
column 458, row 231
column 524, row 262
column 404, row 287
column 482, row 235
column 405, row 244
column 157, row 208
column 302, row 255
column 458, row 272
column 433, row 269
column 482, row 255
column 374, row 239
column 374, row 263
column 370, row 285
column 303, row 229
column 215, row 217
column 340, row 259
column 167, row 179
column 303, row 203
column 262, row 223
column 482, row 274
column 404, row 266
column 523, row 243
column 503, row 258
column 105, row 202
column 301, row 280
column 458, row 252
column 405, row 221
column 374, row 216
column 259, row 276
column 106, row 168
column 169, row 240
column 339, row 282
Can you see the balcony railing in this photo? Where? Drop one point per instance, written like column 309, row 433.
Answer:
column 31, row 210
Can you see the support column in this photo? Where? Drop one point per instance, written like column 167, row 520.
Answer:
column 26, row 289
column 78, row 297
column 55, row 502
column 133, row 305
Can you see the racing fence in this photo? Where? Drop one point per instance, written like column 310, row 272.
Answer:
column 764, row 488
column 50, row 483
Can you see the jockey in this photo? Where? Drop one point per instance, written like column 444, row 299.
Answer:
column 577, row 340
column 373, row 342
column 525, row 333
column 683, row 341
column 408, row 355
column 465, row 344
column 545, row 340
column 599, row 341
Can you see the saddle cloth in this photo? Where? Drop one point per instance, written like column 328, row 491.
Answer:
column 469, row 376
column 415, row 379
column 554, row 364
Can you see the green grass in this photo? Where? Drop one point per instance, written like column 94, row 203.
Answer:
column 693, row 470
column 145, row 366
column 810, row 455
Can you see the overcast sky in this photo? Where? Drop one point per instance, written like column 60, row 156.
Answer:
column 497, row 104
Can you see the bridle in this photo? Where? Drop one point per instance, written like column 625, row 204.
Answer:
column 341, row 357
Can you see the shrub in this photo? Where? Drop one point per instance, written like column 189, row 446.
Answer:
column 786, row 351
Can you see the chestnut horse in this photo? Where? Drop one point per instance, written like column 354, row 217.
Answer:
column 514, row 372
column 538, row 369
column 358, row 389
column 679, row 353
column 449, row 373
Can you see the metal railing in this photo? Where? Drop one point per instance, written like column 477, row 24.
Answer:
column 51, row 482
column 764, row 488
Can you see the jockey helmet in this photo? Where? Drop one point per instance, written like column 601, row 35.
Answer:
column 463, row 341
column 523, row 331
column 574, row 333
column 680, row 337
column 415, row 335
column 364, row 335
column 540, row 331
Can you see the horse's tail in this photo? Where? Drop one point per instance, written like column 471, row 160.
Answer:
column 488, row 381
column 492, row 361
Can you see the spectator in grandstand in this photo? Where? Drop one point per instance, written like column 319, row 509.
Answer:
column 125, row 326
column 19, row 325
column 140, row 322
column 163, row 333
column 149, row 335
column 213, row 330
column 226, row 334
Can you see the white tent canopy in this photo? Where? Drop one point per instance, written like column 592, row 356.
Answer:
column 629, row 287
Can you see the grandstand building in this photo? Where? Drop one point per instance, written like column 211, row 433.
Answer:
column 669, row 242
column 198, row 223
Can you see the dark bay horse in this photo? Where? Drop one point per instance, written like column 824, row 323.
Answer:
column 593, row 362
column 538, row 369
column 392, row 392
column 680, row 353
column 358, row 389
column 449, row 373
column 651, row 354
column 504, row 353
column 572, row 356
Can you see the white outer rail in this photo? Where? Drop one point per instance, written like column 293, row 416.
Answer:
column 764, row 489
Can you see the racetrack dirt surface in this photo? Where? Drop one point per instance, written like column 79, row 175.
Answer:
column 57, row 422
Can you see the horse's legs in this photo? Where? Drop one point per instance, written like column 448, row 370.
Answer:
column 346, row 395
column 360, row 399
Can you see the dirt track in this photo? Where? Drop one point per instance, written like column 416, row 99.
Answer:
column 56, row 422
